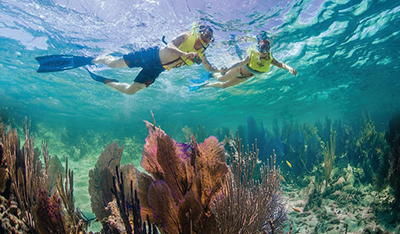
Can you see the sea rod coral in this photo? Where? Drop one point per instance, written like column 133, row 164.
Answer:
column 29, row 207
column 247, row 205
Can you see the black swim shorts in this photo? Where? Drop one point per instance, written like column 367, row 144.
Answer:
column 149, row 60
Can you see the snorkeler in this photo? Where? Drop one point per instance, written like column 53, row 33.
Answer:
column 186, row 49
column 256, row 63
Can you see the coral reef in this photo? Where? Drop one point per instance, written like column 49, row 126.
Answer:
column 225, row 135
column 48, row 213
column 100, row 182
column 24, row 169
column 180, row 187
column 4, row 175
column 176, row 193
column 9, row 217
column 196, row 187
column 370, row 150
column 29, row 207
column 306, row 146
column 183, row 182
column 54, row 171
column 393, row 139
column 120, row 220
column 75, row 221
column 347, row 206
column 1, row 128
column 199, row 133
column 247, row 205
column 329, row 156
column 333, row 161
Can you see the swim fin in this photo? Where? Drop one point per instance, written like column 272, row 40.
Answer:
column 52, row 63
column 100, row 78
column 196, row 87
column 203, row 78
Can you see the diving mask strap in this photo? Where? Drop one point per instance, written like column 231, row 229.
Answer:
column 203, row 44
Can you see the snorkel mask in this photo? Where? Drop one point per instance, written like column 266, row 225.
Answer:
column 263, row 37
column 207, row 33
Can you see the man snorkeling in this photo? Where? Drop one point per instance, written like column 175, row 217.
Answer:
column 256, row 63
column 186, row 49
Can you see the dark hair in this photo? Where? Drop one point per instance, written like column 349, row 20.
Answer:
column 204, row 28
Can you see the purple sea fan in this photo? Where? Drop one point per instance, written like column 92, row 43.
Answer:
column 48, row 213
column 182, row 183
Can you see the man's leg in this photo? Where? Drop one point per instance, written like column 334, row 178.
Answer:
column 145, row 78
column 110, row 61
column 125, row 88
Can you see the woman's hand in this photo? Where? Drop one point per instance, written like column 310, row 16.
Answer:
column 223, row 70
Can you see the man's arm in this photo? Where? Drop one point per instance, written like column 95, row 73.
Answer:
column 207, row 65
column 174, row 44
column 276, row 63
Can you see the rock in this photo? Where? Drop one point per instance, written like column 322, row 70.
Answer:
column 339, row 184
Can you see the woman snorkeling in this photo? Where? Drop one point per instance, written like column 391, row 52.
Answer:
column 256, row 63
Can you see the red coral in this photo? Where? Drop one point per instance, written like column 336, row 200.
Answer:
column 184, row 181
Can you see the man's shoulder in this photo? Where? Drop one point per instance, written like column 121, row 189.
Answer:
column 183, row 36
column 186, row 33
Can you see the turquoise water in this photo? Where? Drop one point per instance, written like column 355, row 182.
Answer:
column 346, row 54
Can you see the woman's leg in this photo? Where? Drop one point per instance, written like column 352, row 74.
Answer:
column 226, row 84
column 229, row 75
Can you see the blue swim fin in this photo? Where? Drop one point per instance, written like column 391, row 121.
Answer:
column 196, row 87
column 52, row 63
column 100, row 78
column 203, row 78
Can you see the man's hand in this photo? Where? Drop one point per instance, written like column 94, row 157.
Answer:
column 191, row 55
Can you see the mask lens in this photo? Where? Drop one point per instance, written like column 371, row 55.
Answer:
column 264, row 47
column 207, row 36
